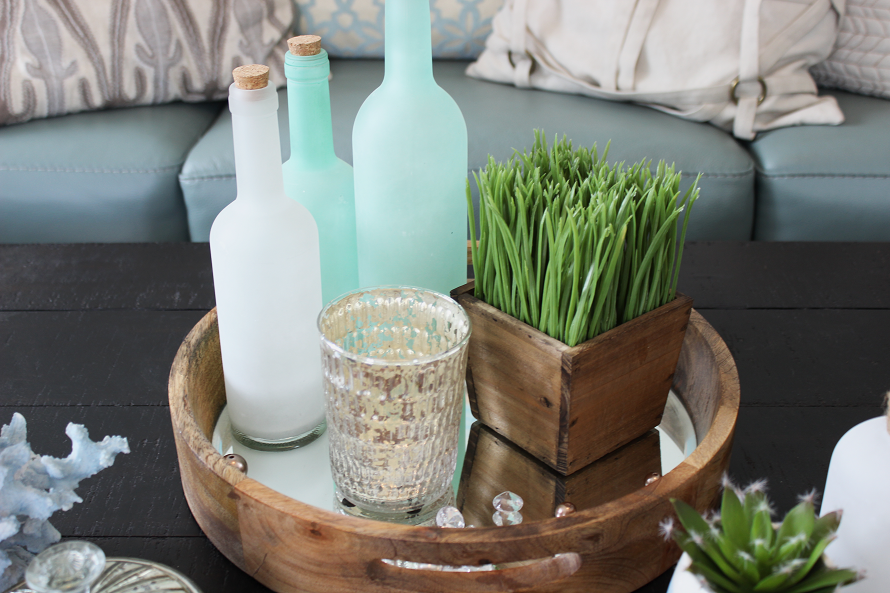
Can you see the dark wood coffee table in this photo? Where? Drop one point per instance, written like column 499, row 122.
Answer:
column 88, row 333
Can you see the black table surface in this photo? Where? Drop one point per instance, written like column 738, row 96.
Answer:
column 88, row 334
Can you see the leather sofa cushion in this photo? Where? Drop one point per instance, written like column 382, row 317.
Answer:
column 107, row 176
column 827, row 183
column 500, row 118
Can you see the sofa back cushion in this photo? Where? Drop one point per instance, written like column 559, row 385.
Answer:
column 354, row 28
column 64, row 56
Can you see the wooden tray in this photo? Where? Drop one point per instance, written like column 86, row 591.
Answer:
column 291, row 546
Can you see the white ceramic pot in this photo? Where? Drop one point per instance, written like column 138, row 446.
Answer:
column 859, row 483
column 684, row 581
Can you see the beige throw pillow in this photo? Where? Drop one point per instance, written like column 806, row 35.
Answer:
column 64, row 56
column 741, row 65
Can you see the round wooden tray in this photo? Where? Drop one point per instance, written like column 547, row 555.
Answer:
column 291, row 546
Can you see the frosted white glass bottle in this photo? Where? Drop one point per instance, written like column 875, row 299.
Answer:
column 267, row 277
column 410, row 159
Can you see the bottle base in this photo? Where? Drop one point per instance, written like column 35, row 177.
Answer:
column 301, row 440
column 421, row 515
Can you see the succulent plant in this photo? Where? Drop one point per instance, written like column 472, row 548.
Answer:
column 740, row 550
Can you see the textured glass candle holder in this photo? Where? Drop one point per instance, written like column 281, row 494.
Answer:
column 394, row 363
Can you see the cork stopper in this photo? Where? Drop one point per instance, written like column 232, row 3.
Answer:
column 251, row 77
column 304, row 45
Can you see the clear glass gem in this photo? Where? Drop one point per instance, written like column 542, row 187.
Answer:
column 450, row 517
column 507, row 502
column 501, row 518
column 76, row 567
column 70, row 567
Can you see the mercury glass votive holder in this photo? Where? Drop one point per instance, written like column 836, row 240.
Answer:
column 394, row 362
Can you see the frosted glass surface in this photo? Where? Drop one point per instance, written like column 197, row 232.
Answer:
column 315, row 177
column 410, row 157
column 267, row 280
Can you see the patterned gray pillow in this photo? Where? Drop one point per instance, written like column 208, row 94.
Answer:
column 354, row 28
column 64, row 56
column 860, row 62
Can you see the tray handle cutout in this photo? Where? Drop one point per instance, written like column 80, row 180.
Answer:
column 514, row 576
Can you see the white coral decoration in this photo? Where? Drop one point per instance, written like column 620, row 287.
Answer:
column 33, row 487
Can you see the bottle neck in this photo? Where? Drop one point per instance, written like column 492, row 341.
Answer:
column 408, row 45
column 309, row 110
column 258, row 175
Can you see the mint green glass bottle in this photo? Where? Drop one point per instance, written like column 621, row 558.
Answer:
column 410, row 156
column 313, row 175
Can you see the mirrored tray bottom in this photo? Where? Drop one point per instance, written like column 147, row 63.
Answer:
column 305, row 475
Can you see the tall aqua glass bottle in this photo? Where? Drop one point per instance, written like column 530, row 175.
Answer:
column 410, row 157
column 313, row 175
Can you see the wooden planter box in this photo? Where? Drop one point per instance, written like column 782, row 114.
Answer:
column 569, row 406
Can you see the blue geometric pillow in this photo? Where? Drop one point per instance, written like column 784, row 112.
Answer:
column 354, row 28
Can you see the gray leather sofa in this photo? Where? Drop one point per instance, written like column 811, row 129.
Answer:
column 162, row 173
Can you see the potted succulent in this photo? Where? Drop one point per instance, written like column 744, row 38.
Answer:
column 577, row 326
column 741, row 550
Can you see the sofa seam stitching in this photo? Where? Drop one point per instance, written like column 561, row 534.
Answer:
column 719, row 175
column 184, row 179
column 822, row 176
column 38, row 169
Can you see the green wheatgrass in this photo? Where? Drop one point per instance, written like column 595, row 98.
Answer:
column 574, row 246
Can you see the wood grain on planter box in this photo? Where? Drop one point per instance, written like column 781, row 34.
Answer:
column 569, row 406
